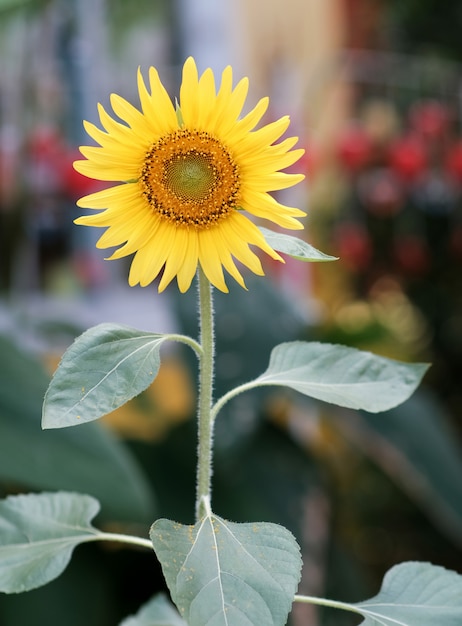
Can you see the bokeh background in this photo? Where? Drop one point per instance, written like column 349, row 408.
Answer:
column 373, row 88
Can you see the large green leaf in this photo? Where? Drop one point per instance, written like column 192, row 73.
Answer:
column 156, row 612
column 223, row 573
column 415, row 594
column 412, row 594
column 38, row 533
column 295, row 247
column 103, row 369
column 87, row 460
column 340, row 375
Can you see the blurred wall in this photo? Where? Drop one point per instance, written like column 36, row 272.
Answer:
column 292, row 50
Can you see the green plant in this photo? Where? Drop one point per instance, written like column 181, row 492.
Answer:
column 217, row 571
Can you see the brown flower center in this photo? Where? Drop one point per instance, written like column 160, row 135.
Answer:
column 190, row 179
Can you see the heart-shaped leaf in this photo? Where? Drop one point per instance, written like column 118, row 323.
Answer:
column 38, row 533
column 415, row 594
column 103, row 369
column 340, row 375
column 156, row 612
column 295, row 247
column 223, row 573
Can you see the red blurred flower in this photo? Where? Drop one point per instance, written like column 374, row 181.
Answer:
column 408, row 157
column 353, row 246
column 354, row 148
column 430, row 118
column 454, row 161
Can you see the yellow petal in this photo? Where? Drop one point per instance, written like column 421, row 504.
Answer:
column 188, row 268
column 149, row 260
column 100, row 172
column 226, row 257
column 118, row 194
column 237, row 242
column 137, row 239
column 226, row 85
column 268, row 159
column 246, row 230
column 265, row 206
column 157, row 105
column 176, row 256
column 209, row 259
column 134, row 230
column 112, row 127
column 189, row 93
column 274, row 181
column 252, row 118
column 206, row 99
column 228, row 111
column 129, row 114
column 265, row 135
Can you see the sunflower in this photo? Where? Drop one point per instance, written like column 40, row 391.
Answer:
column 186, row 175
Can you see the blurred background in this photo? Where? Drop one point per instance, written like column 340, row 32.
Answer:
column 373, row 88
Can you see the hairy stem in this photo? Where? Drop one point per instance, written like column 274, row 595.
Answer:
column 204, row 451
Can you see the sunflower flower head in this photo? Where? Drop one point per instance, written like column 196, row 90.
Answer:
column 185, row 179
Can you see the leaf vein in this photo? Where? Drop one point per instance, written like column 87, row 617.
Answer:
column 109, row 373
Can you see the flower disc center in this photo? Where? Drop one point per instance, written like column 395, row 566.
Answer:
column 190, row 178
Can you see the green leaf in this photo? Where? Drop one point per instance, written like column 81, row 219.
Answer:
column 156, row 612
column 38, row 533
column 223, row 573
column 103, row 369
column 295, row 247
column 86, row 460
column 344, row 376
column 415, row 594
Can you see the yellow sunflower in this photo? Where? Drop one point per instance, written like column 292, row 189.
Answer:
column 187, row 174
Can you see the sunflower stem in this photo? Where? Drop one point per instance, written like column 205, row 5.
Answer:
column 205, row 432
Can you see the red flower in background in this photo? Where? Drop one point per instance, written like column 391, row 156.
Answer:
column 454, row 161
column 353, row 246
column 431, row 119
column 354, row 148
column 408, row 157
